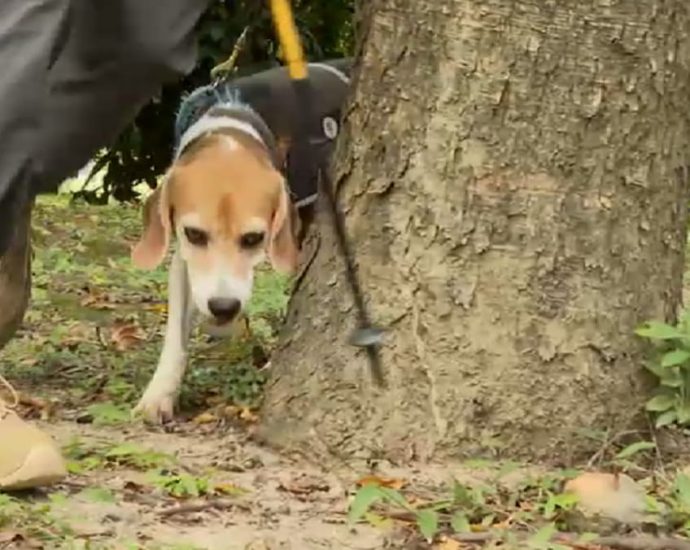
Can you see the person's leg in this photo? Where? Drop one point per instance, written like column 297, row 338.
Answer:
column 31, row 458
column 118, row 55
column 29, row 34
column 99, row 81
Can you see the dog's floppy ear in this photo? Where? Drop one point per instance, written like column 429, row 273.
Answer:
column 152, row 247
column 282, row 247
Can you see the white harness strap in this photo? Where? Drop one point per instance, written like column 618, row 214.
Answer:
column 328, row 68
column 207, row 124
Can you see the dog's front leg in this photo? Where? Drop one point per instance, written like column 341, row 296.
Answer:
column 158, row 402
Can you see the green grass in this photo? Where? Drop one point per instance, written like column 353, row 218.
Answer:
column 73, row 351
column 85, row 286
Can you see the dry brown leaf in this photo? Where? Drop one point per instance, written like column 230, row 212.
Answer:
column 227, row 489
column 126, row 336
column 15, row 539
column 45, row 409
column 248, row 416
column 134, row 487
column 205, row 418
column 10, row 536
column 97, row 301
column 78, row 333
column 447, row 544
column 503, row 525
column 231, row 411
column 389, row 483
column 305, row 485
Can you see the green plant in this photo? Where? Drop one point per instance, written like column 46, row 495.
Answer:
column 670, row 364
column 9, row 508
column 368, row 495
column 34, row 522
column 465, row 507
column 108, row 414
column 180, row 485
column 537, row 502
column 83, row 457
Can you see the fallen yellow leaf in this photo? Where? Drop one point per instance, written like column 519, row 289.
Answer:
column 248, row 416
column 158, row 308
column 390, row 483
column 205, row 418
column 231, row 411
column 228, row 489
column 447, row 544
column 97, row 300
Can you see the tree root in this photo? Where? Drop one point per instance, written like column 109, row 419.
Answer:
column 619, row 542
column 191, row 508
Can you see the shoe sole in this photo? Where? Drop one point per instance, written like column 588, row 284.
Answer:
column 43, row 466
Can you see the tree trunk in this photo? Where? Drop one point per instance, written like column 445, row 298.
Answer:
column 514, row 176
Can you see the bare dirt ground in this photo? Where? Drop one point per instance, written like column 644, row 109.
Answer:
column 287, row 504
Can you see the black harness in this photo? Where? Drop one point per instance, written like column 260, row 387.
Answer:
column 265, row 101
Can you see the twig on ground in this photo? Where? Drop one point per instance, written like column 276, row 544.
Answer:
column 101, row 338
column 606, row 445
column 191, row 508
column 657, row 450
column 155, row 328
column 622, row 542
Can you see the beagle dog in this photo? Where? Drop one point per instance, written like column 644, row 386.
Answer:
column 229, row 206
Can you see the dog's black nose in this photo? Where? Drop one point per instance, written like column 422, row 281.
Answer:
column 224, row 309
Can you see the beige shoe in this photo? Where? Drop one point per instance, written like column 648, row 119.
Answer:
column 28, row 457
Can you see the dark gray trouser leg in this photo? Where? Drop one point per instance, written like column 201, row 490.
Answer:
column 54, row 117
column 28, row 34
column 117, row 56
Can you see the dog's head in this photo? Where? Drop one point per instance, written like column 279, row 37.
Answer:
column 229, row 209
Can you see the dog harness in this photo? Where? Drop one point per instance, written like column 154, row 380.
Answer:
column 261, row 105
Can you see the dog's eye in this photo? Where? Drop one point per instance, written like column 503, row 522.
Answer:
column 197, row 237
column 251, row 239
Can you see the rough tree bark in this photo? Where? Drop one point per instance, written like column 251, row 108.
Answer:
column 514, row 173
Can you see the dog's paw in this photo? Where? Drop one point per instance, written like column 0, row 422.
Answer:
column 156, row 407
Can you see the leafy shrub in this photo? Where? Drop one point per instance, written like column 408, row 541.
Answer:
column 670, row 364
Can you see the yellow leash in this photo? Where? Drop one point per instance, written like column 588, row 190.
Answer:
column 289, row 39
column 366, row 335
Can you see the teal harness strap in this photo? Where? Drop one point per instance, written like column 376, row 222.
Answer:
column 198, row 102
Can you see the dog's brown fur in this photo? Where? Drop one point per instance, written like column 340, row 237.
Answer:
column 227, row 188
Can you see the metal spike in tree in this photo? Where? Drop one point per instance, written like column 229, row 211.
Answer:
column 514, row 176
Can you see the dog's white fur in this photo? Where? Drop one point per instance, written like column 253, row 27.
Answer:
column 158, row 401
column 218, row 280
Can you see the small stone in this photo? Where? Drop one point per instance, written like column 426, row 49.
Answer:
column 616, row 497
